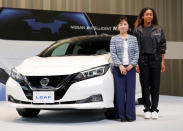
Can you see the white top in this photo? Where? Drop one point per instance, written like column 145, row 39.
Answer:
column 125, row 56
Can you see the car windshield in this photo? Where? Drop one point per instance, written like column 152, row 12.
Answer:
column 79, row 47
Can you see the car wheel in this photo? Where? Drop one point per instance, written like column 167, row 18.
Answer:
column 28, row 112
column 110, row 113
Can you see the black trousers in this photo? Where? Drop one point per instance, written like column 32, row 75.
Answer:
column 150, row 69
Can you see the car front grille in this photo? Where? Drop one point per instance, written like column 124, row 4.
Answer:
column 60, row 85
column 54, row 81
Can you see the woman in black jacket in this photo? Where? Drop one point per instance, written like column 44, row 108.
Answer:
column 152, row 47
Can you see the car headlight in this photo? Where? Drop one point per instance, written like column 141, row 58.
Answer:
column 17, row 76
column 94, row 72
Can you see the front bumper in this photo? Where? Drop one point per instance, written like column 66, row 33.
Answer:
column 78, row 96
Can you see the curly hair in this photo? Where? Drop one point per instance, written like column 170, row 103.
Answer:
column 140, row 20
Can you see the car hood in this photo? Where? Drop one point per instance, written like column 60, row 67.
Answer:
column 45, row 66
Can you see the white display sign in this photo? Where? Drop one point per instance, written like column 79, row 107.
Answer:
column 43, row 97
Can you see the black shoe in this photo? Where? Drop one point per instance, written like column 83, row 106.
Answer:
column 122, row 120
column 130, row 120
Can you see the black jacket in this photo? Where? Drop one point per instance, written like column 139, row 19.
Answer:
column 158, row 37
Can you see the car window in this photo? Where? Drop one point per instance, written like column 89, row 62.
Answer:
column 95, row 47
column 61, row 50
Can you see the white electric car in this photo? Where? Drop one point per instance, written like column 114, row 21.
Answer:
column 74, row 73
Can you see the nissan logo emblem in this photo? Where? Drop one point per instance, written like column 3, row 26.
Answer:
column 44, row 81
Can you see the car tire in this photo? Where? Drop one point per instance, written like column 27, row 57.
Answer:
column 28, row 112
column 110, row 113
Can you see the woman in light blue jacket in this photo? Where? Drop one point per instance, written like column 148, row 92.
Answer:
column 125, row 53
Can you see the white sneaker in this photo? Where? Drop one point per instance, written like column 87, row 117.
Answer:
column 147, row 115
column 154, row 115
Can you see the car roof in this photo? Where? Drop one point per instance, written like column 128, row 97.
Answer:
column 86, row 38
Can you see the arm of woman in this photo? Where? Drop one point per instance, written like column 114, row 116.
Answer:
column 135, row 55
column 113, row 52
column 163, row 50
column 162, row 62
column 162, row 43
column 138, row 39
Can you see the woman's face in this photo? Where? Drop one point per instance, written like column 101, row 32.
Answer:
column 148, row 16
column 123, row 26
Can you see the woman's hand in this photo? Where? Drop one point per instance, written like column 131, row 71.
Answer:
column 162, row 62
column 122, row 69
column 129, row 67
column 162, row 66
column 137, row 69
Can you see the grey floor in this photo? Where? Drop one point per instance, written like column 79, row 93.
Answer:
column 171, row 119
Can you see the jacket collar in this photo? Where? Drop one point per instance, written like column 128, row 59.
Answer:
column 155, row 27
column 121, row 38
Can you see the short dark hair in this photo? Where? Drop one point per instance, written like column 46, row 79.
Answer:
column 121, row 18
